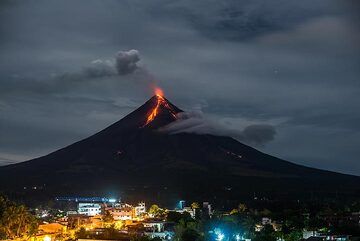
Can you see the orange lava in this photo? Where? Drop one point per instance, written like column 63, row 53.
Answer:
column 160, row 101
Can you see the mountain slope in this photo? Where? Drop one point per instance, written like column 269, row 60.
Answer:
column 131, row 152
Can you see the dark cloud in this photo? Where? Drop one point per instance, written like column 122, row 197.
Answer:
column 242, row 21
column 195, row 122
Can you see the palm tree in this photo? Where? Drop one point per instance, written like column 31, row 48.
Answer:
column 249, row 226
column 16, row 221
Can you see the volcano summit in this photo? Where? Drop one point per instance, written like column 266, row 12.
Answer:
column 132, row 155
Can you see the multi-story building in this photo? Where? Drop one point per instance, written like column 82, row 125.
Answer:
column 121, row 211
column 89, row 209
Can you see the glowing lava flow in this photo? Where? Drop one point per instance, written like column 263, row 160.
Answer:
column 160, row 101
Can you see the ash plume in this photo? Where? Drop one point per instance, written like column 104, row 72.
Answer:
column 100, row 68
column 124, row 63
column 127, row 61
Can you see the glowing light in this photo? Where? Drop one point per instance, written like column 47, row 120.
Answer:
column 237, row 237
column 159, row 102
column 159, row 92
column 219, row 235
column 47, row 238
column 112, row 200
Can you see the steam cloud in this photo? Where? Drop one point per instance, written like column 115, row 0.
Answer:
column 195, row 122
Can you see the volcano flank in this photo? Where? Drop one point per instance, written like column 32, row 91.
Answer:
column 132, row 155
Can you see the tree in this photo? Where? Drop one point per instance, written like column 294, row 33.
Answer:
column 81, row 233
column 190, row 235
column 195, row 205
column 108, row 218
column 234, row 211
column 293, row 236
column 188, row 231
column 242, row 208
column 248, row 224
column 15, row 220
column 156, row 211
column 266, row 234
column 110, row 233
column 176, row 217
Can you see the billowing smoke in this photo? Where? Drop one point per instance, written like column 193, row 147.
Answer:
column 100, row 68
column 195, row 122
column 127, row 61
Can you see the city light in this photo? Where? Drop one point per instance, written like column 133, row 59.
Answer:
column 47, row 238
column 219, row 235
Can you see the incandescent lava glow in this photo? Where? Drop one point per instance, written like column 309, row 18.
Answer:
column 159, row 92
column 160, row 102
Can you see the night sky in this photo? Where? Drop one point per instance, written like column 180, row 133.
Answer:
column 281, row 76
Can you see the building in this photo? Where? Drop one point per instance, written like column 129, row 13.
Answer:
column 140, row 209
column 51, row 228
column 181, row 204
column 87, row 199
column 329, row 237
column 158, row 229
column 89, row 209
column 207, row 210
column 185, row 209
column 266, row 221
column 121, row 211
column 77, row 220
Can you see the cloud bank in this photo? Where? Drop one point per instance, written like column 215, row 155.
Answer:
column 195, row 122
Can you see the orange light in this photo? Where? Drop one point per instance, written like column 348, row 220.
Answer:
column 160, row 100
column 159, row 92
column 155, row 111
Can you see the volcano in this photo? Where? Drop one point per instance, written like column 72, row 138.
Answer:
column 133, row 155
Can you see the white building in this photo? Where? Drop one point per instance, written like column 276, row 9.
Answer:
column 89, row 209
column 266, row 221
column 157, row 229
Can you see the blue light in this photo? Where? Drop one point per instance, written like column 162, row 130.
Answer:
column 181, row 204
column 219, row 235
column 237, row 237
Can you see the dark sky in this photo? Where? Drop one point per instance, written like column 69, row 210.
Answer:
column 286, row 72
